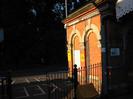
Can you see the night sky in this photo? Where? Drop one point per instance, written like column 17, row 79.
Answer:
column 32, row 35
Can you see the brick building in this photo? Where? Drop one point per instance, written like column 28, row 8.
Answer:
column 96, row 36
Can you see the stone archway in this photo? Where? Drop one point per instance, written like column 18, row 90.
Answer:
column 76, row 51
column 93, row 59
column 71, row 45
column 93, row 47
column 91, row 30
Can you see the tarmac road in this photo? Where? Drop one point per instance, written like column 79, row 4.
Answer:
column 41, row 87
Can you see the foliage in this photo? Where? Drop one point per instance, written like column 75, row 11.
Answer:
column 33, row 30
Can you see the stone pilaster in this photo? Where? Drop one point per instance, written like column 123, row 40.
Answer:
column 83, row 61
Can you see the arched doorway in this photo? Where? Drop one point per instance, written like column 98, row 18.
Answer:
column 76, row 51
column 94, row 50
column 93, row 60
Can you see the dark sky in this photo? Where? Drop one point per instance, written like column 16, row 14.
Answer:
column 32, row 35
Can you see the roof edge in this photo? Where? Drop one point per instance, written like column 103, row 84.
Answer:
column 91, row 6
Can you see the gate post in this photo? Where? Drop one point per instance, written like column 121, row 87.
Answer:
column 75, row 79
column 2, row 88
column 9, row 85
column 49, row 85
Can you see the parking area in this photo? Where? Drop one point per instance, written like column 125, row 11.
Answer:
column 42, row 87
column 28, row 91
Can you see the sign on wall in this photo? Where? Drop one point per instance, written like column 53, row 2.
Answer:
column 115, row 51
column 69, row 55
column 1, row 35
column 77, row 58
column 82, row 57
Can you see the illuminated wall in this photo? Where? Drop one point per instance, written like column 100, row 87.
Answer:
column 84, row 46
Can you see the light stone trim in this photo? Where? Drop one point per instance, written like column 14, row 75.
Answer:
column 74, row 32
column 82, row 45
column 91, row 29
column 69, row 46
column 85, row 17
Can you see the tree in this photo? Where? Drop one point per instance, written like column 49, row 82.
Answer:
column 34, row 32
column 59, row 7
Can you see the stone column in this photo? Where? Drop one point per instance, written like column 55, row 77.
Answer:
column 83, row 63
column 70, row 59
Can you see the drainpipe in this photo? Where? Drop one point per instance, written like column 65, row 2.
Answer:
column 105, row 58
column 106, row 34
column 107, row 53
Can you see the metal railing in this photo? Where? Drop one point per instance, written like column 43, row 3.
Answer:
column 5, row 86
column 61, row 81
column 91, row 74
column 53, row 85
column 94, row 76
column 59, row 85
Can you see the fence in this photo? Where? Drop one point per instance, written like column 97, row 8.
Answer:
column 94, row 75
column 5, row 86
column 61, row 81
column 90, row 74
column 55, row 85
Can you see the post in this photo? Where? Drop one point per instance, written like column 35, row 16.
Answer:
column 66, row 7
column 2, row 88
column 75, row 79
column 49, row 86
column 9, row 85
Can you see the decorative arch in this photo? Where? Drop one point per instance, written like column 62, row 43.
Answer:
column 89, row 29
column 92, row 37
column 74, row 33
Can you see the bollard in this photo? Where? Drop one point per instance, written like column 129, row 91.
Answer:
column 75, row 79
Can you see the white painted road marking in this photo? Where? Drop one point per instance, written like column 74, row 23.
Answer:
column 42, row 91
column 55, row 87
column 27, row 80
column 26, row 93
column 13, row 82
column 37, row 79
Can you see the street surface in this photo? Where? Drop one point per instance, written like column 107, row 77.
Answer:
column 42, row 87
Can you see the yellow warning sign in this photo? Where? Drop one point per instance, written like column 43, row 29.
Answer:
column 82, row 57
column 69, row 55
